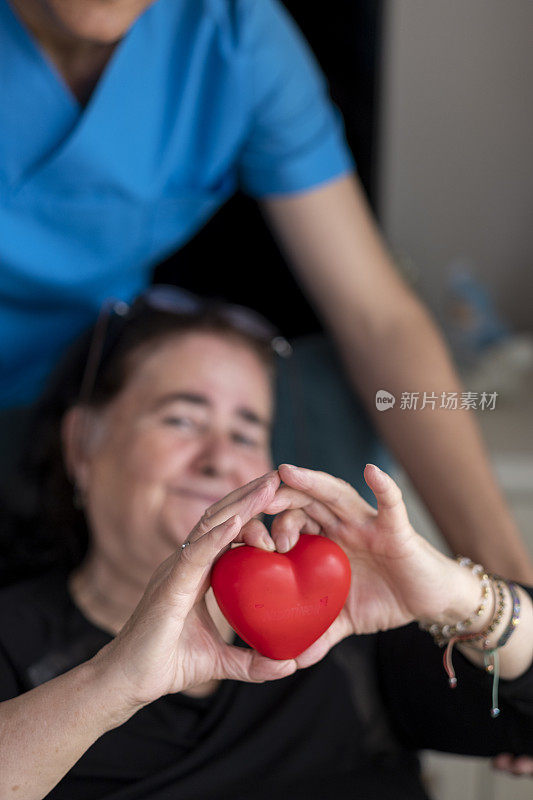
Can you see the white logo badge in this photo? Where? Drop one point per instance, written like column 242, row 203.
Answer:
column 384, row 400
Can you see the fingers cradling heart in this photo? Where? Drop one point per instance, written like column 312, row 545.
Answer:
column 295, row 512
column 314, row 502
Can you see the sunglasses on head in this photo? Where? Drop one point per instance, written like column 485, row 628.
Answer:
column 173, row 300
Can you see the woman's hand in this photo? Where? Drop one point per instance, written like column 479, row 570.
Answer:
column 397, row 576
column 515, row 765
column 170, row 642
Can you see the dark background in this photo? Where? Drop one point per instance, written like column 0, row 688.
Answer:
column 228, row 256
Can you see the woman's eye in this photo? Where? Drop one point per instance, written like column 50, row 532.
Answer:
column 180, row 422
column 245, row 441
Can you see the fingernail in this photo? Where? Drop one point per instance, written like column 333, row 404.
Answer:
column 288, row 466
column 375, row 466
column 282, row 544
column 268, row 542
column 288, row 663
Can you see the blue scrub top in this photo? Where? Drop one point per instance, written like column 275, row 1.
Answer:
column 199, row 98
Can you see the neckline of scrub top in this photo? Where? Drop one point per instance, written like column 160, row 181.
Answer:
column 46, row 61
column 77, row 116
column 39, row 55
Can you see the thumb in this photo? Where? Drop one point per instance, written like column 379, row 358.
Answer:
column 392, row 514
column 241, row 664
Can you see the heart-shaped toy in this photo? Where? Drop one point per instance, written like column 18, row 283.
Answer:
column 280, row 603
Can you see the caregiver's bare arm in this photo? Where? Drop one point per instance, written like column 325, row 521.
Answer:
column 388, row 341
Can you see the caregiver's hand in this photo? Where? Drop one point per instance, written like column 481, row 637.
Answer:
column 397, row 576
column 170, row 643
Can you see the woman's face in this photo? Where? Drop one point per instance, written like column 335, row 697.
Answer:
column 191, row 425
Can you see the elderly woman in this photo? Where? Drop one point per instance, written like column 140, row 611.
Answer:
column 119, row 676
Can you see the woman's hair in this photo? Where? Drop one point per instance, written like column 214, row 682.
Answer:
column 41, row 524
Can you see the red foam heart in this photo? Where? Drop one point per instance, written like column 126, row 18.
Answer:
column 280, row 603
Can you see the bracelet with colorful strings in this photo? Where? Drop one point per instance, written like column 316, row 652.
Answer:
column 490, row 655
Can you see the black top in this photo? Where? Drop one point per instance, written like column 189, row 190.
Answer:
column 347, row 727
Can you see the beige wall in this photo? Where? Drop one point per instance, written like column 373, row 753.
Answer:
column 456, row 150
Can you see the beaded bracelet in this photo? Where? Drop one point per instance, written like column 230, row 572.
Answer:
column 443, row 633
column 499, row 608
column 450, row 634
column 515, row 615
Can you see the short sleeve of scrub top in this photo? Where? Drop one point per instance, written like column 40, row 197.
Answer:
column 296, row 136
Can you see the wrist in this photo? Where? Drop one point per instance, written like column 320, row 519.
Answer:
column 111, row 689
column 466, row 608
column 484, row 626
column 471, row 600
column 488, row 637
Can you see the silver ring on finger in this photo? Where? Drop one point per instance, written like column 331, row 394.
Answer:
column 184, row 544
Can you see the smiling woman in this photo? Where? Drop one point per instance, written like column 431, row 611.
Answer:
column 189, row 427
column 174, row 414
column 157, row 427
